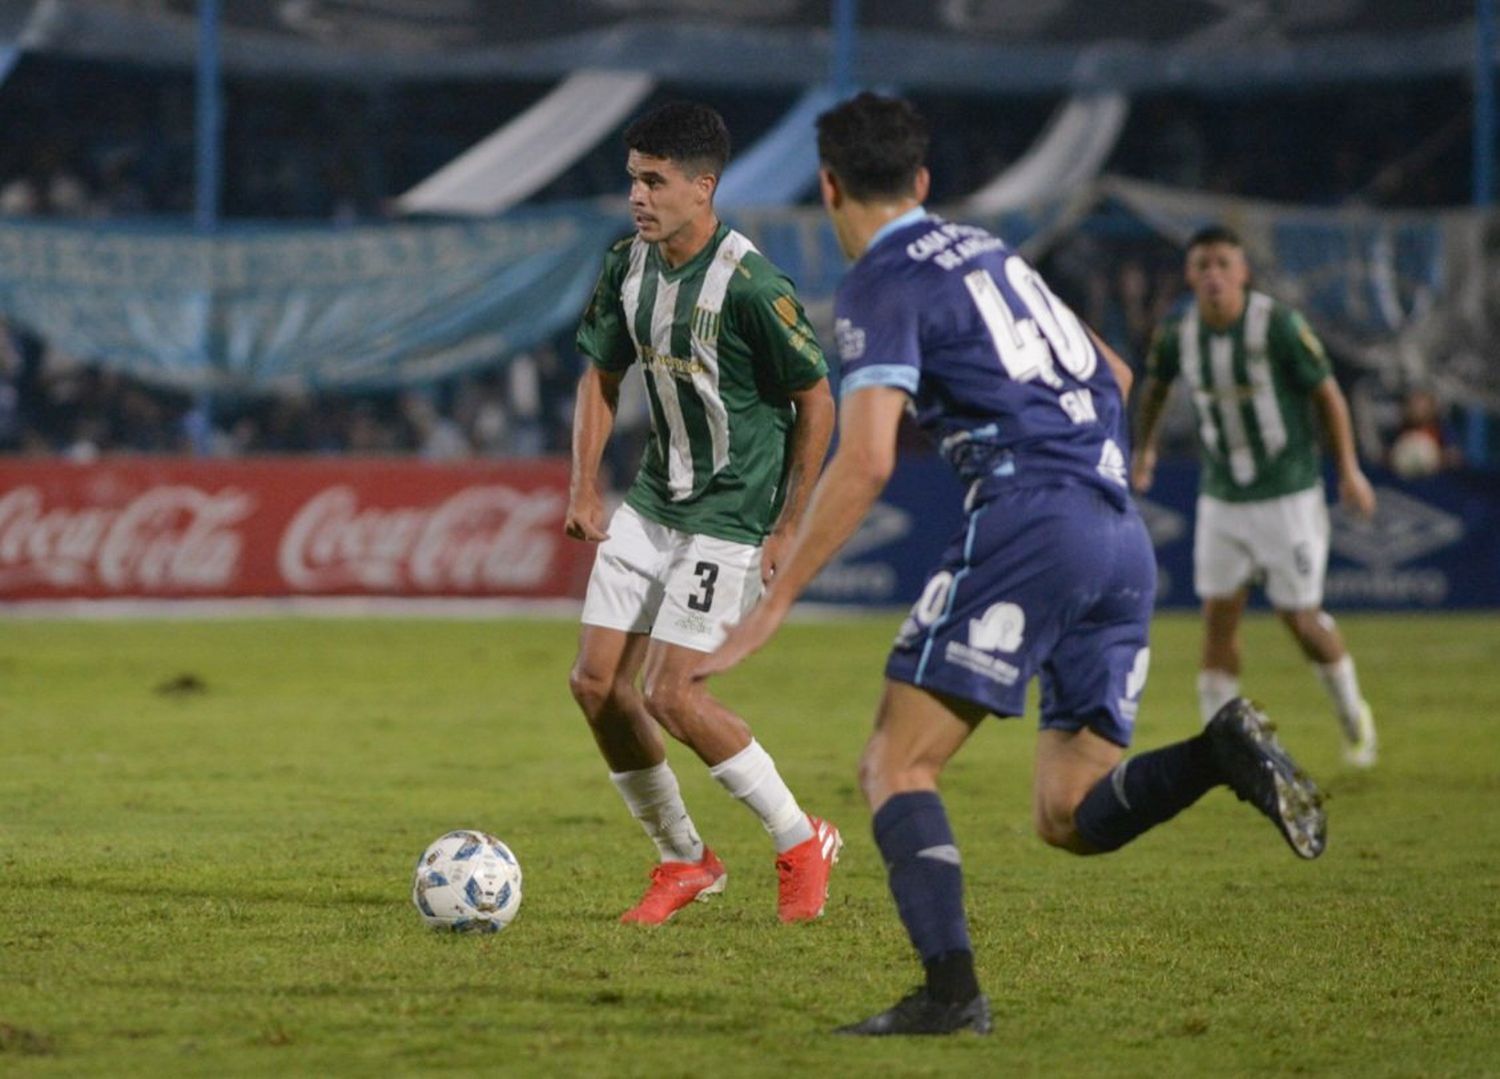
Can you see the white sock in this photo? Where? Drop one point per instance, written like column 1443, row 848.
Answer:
column 1342, row 684
column 750, row 775
column 1215, row 690
column 655, row 801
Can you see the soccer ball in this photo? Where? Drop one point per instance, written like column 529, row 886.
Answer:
column 1416, row 454
column 467, row 881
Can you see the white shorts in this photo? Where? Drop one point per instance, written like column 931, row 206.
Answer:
column 1283, row 541
column 679, row 587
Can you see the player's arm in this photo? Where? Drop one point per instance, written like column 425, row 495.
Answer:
column 1161, row 369
column 1294, row 343
column 1354, row 488
column 1153, row 403
column 593, row 420
column 812, row 430
column 603, row 339
column 868, row 419
column 1124, row 376
column 786, row 350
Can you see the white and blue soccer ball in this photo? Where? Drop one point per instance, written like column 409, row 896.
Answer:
column 467, row 881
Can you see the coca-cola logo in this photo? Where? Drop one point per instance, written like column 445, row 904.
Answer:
column 491, row 538
column 169, row 538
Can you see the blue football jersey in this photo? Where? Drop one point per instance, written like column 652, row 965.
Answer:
column 1003, row 376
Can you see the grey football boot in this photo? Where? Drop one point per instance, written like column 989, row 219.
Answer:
column 1260, row 771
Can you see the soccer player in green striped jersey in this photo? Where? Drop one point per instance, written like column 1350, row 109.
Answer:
column 1258, row 375
column 741, row 417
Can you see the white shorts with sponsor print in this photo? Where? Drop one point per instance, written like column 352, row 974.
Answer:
column 1281, row 540
column 679, row 587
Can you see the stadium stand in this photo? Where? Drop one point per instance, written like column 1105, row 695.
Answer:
column 338, row 117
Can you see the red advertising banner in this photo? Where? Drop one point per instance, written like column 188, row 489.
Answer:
column 172, row 528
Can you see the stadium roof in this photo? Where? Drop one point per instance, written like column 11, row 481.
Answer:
column 1036, row 45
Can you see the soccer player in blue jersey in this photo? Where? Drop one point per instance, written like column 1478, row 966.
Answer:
column 1052, row 574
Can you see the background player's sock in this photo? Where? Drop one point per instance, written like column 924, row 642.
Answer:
column 1143, row 791
column 750, row 775
column 1342, row 684
column 922, row 865
column 1215, row 690
column 655, row 801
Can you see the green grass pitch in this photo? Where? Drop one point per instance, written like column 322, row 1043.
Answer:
column 207, row 832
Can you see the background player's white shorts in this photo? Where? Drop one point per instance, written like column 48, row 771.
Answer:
column 679, row 587
column 1284, row 540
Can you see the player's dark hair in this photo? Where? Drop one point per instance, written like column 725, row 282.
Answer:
column 874, row 145
column 692, row 135
column 1214, row 234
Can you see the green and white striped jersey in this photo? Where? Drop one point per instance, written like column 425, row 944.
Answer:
column 1251, row 386
column 722, row 341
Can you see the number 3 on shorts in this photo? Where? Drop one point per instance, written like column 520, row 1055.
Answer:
column 708, row 573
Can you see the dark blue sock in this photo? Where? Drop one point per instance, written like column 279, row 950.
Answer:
column 1145, row 790
column 921, row 862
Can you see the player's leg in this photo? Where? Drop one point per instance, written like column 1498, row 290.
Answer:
column 711, row 584
column 1298, row 526
column 1222, row 565
column 603, row 683
column 1219, row 667
column 619, row 608
column 916, row 733
column 1089, row 800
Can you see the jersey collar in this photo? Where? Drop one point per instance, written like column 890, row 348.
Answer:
column 676, row 273
column 911, row 217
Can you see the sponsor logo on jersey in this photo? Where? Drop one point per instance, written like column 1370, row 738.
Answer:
column 981, row 663
column 675, row 365
column 1001, row 628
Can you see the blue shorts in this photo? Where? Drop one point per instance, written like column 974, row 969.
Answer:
column 1056, row 581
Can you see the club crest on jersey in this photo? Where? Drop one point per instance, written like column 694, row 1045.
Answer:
column 705, row 325
column 851, row 340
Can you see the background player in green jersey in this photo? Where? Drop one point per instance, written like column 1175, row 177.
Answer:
column 1257, row 374
column 741, row 417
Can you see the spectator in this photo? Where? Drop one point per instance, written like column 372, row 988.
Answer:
column 1424, row 443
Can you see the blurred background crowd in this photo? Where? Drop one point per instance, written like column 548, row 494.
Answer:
column 91, row 141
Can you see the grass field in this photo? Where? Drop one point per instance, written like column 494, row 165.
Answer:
column 207, row 831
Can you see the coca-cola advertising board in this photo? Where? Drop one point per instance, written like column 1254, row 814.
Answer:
column 170, row 528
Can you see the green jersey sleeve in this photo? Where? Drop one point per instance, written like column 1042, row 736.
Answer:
column 1163, row 361
column 1292, row 342
column 773, row 324
column 602, row 333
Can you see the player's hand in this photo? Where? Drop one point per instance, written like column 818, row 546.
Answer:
column 1356, row 493
column 1143, row 469
column 585, row 517
column 772, row 553
column 742, row 640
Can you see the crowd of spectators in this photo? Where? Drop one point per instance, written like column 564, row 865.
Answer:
column 92, row 141
column 55, row 404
